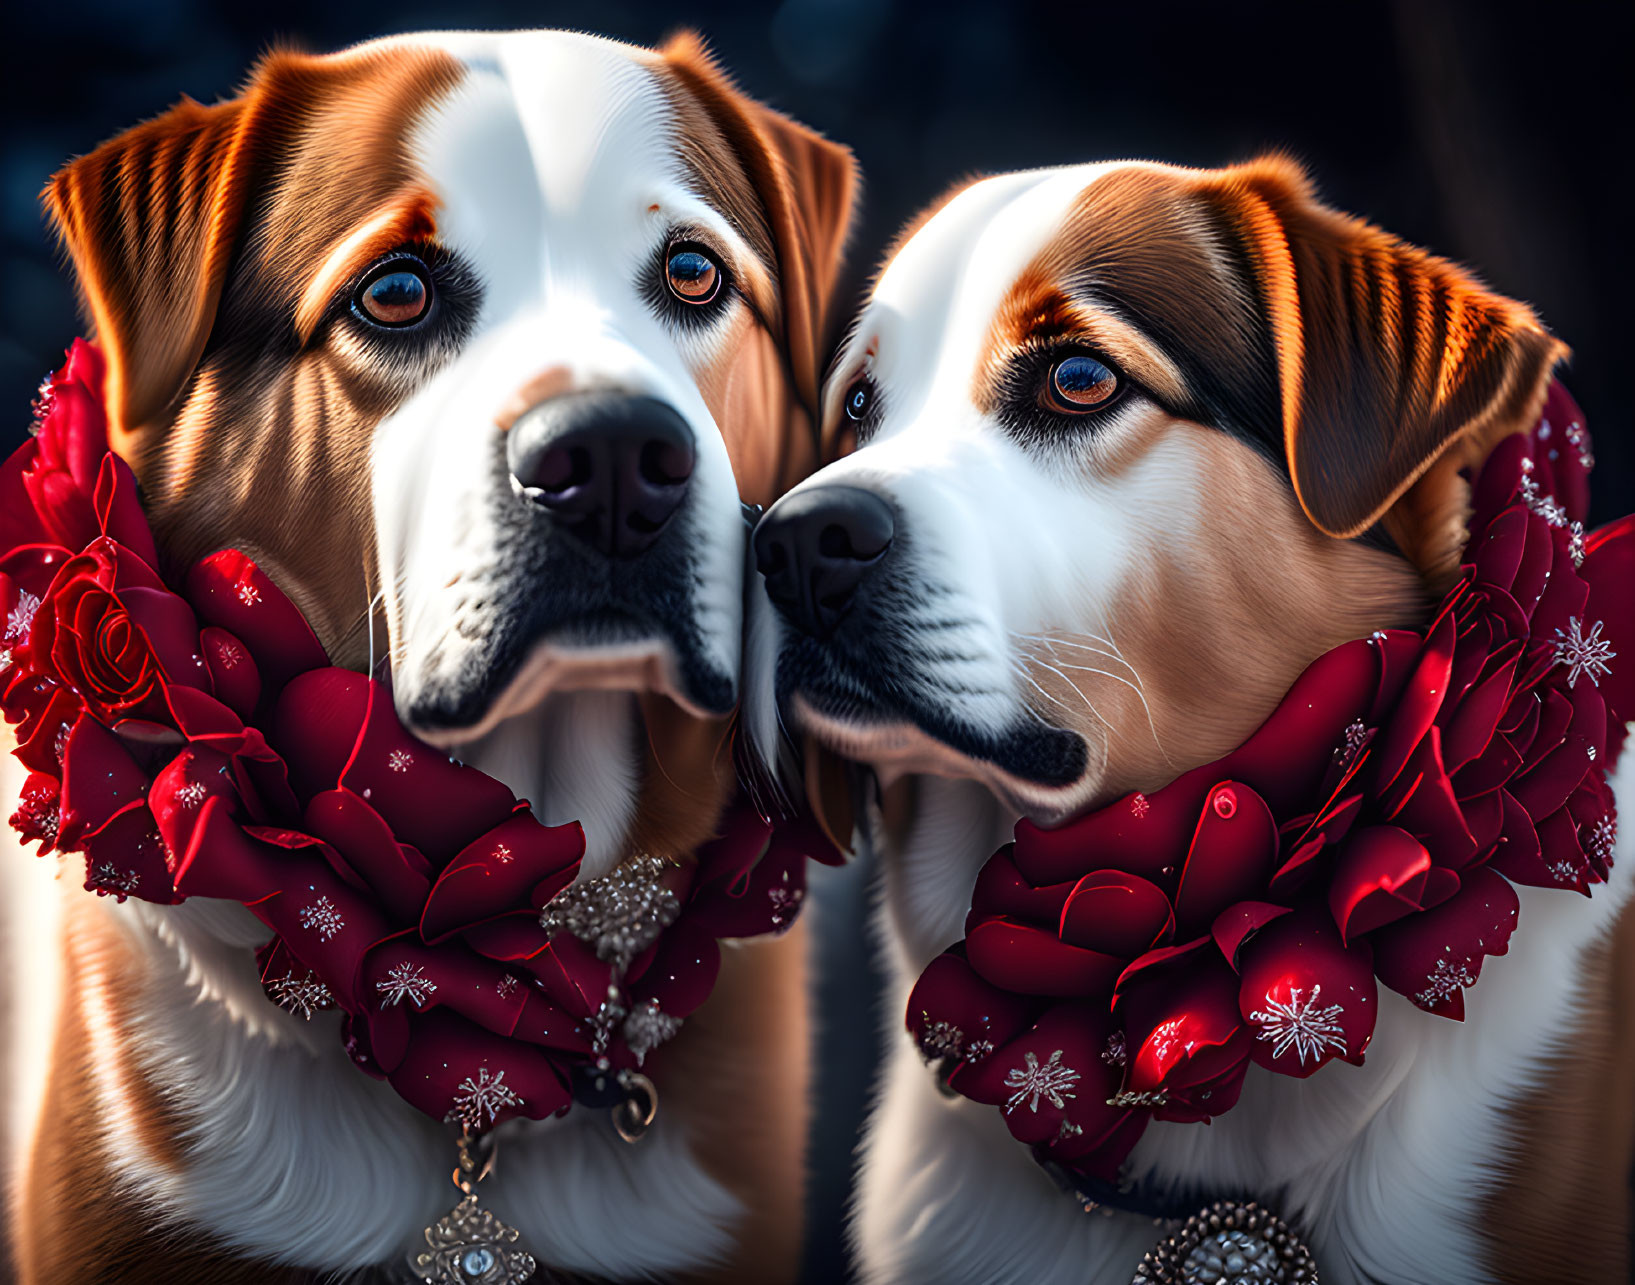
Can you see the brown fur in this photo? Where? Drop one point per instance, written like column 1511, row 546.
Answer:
column 803, row 188
column 262, row 441
column 739, row 1071
column 68, row 1225
column 1561, row 1211
column 1266, row 591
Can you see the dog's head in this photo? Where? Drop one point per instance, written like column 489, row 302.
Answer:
column 483, row 338
column 1134, row 445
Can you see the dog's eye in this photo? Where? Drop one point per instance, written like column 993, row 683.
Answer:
column 394, row 293
column 1080, row 383
column 693, row 276
column 859, row 397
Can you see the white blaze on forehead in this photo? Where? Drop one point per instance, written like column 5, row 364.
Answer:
column 935, row 303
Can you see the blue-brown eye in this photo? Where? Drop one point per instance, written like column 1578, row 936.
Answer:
column 859, row 397
column 1080, row 383
column 693, row 276
column 395, row 293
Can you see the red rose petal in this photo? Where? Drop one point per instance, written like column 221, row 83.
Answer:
column 1379, row 877
column 1019, row 957
column 1001, row 891
column 501, row 871
column 99, row 780
column 229, row 591
column 1236, row 924
column 1431, row 957
column 953, row 1012
column 1421, row 702
column 1306, row 996
column 1116, row 914
column 1232, row 856
column 454, row 1066
column 369, row 850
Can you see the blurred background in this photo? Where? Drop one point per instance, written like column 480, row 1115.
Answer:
column 1495, row 133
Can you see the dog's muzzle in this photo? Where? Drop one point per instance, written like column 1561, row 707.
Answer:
column 611, row 469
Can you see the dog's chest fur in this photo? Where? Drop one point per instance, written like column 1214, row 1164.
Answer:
column 1396, row 1170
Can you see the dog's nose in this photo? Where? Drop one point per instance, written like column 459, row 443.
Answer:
column 612, row 468
column 815, row 548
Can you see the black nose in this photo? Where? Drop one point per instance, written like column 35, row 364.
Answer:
column 815, row 548
column 609, row 467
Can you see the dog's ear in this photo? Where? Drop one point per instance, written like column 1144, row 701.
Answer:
column 149, row 220
column 806, row 186
column 1386, row 355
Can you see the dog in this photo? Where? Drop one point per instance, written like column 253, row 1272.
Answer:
column 478, row 344
column 1134, row 445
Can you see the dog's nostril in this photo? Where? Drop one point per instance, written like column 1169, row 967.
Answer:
column 562, row 468
column 666, row 463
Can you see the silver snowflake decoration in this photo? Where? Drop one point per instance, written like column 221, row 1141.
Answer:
column 229, row 655
column 1067, row 1129
column 21, row 619
column 1139, row 805
column 1601, row 839
column 1580, row 441
column 1130, row 1098
column 107, row 876
column 976, row 1050
column 785, row 904
column 405, row 981
column 646, row 1028
column 399, row 760
column 1115, row 1054
column 322, row 918
column 480, row 1099
column 941, row 1039
column 1586, row 655
column 506, row 986
column 1034, row 1079
column 192, row 794
column 502, row 854
column 605, row 1020
column 1575, row 543
column 248, row 594
column 1356, row 733
column 620, row 915
column 1307, row 1026
column 302, row 996
column 1447, row 979
column 1563, row 871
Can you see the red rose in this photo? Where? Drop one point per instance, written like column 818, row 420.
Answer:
column 85, row 637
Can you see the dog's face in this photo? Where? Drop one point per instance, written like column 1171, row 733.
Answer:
column 481, row 338
column 1134, row 445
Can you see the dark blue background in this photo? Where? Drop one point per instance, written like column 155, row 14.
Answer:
column 1496, row 134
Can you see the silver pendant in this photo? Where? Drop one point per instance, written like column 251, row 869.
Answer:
column 470, row 1246
column 1229, row 1244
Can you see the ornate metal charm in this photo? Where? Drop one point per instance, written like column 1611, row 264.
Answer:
column 620, row 915
column 1229, row 1244
column 470, row 1246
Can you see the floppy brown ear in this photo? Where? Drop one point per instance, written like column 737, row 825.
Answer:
column 807, row 186
column 149, row 220
column 1386, row 355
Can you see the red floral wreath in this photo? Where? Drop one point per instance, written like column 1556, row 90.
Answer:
column 1129, row 966
column 200, row 744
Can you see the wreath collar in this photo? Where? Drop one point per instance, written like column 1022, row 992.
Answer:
column 193, row 740
column 1133, row 964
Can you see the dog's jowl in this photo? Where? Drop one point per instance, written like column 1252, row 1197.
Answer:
column 479, row 345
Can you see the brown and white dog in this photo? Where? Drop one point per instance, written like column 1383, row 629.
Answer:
column 475, row 342
column 1135, row 444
